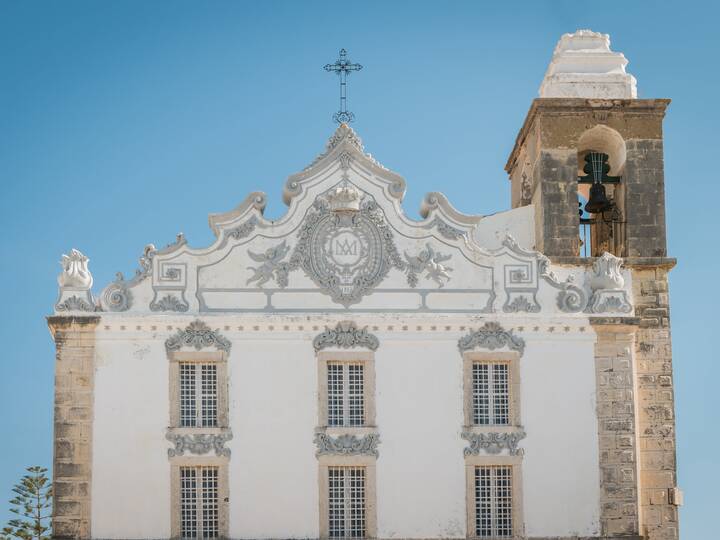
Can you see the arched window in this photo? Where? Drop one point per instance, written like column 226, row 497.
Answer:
column 601, row 162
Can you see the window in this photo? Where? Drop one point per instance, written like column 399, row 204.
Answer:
column 199, row 503
column 346, row 390
column 345, row 394
column 346, row 502
column 493, row 502
column 198, row 395
column 490, row 394
column 491, row 383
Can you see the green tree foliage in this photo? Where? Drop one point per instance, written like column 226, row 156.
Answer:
column 32, row 503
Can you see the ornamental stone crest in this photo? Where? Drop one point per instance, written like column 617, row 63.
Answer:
column 347, row 444
column 197, row 335
column 345, row 335
column 491, row 336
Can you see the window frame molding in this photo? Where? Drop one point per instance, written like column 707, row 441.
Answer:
column 515, row 463
column 223, row 491
column 219, row 359
column 367, row 359
column 369, row 463
column 512, row 360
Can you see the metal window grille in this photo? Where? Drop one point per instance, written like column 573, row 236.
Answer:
column 198, row 395
column 208, row 394
column 199, row 503
column 345, row 394
column 356, row 395
column 188, row 396
column 346, row 504
column 491, row 394
column 335, row 393
column 493, row 502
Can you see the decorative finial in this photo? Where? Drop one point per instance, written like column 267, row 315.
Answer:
column 75, row 282
column 343, row 67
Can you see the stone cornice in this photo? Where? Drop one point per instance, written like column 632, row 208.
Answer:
column 560, row 106
column 629, row 262
column 633, row 322
column 63, row 322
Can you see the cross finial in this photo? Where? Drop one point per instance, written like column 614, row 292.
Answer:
column 343, row 67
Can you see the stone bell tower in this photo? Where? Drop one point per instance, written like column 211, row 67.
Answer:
column 588, row 136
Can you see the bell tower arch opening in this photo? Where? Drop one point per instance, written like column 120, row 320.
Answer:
column 601, row 157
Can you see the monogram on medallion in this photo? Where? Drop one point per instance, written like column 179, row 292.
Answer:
column 346, row 247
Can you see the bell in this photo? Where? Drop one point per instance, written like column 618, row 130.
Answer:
column 598, row 202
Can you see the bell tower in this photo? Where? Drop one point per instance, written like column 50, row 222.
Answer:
column 588, row 134
column 589, row 158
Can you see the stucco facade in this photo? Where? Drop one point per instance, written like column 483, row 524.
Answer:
column 272, row 310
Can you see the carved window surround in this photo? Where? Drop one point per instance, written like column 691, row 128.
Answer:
column 368, row 463
column 512, row 360
column 471, row 462
column 219, row 358
column 221, row 463
column 367, row 359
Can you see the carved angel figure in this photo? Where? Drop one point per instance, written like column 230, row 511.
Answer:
column 270, row 260
column 75, row 273
column 429, row 261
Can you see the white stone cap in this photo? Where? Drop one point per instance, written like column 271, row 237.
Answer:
column 583, row 66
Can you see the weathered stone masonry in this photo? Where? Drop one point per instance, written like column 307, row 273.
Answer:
column 615, row 372
column 74, row 377
column 656, row 422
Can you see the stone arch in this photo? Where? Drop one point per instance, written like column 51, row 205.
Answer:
column 604, row 139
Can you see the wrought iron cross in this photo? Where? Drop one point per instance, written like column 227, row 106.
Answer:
column 343, row 67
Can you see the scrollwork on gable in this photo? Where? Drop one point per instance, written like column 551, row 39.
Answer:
column 170, row 302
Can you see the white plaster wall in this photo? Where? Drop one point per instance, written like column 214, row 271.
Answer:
column 420, row 471
column 518, row 222
column 131, row 475
column 561, row 478
column 273, row 414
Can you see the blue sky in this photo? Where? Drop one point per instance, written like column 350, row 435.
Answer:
column 123, row 123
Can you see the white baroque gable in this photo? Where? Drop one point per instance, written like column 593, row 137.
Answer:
column 346, row 245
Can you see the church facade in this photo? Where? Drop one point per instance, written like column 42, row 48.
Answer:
column 347, row 371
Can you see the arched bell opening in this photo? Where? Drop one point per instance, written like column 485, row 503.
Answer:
column 601, row 197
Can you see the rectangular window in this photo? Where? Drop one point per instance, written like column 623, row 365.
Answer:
column 198, row 395
column 345, row 394
column 493, row 502
column 346, row 502
column 490, row 394
column 199, row 504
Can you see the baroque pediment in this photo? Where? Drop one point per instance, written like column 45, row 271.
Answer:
column 345, row 244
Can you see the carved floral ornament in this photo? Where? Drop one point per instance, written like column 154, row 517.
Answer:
column 347, row 444
column 198, row 443
column 345, row 335
column 197, row 335
column 493, row 443
column 491, row 336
